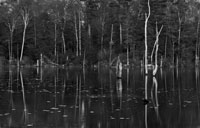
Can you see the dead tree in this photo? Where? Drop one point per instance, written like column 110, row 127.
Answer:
column 146, row 45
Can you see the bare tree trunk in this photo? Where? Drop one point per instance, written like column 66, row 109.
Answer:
column 102, row 34
column 120, row 28
column 179, row 39
column 173, row 59
column 156, row 52
column 146, row 46
column 197, row 46
column 10, row 45
column 23, row 41
column 25, row 16
column 79, row 33
column 111, row 42
column 35, row 33
column 64, row 46
column 55, row 39
column 76, row 34
column 166, row 48
column 127, row 49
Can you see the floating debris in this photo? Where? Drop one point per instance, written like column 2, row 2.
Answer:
column 170, row 103
column 48, row 101
column 45, row 110
column 54, row 108
column 62, row 105
column 5, row 114
column 65, row 116
column 121, row 118
column 112, row 118
column 30, row 125
column 91, row 111
column 189, row 102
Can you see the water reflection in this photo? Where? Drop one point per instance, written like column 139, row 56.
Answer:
column 72, row 98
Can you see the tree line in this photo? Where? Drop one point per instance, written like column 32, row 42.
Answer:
column 99, row 30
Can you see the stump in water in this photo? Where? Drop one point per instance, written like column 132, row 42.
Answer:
column 119, row 68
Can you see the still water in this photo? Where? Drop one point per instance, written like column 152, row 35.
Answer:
column 73, row 98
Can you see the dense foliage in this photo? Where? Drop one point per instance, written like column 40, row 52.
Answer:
column 71, row 29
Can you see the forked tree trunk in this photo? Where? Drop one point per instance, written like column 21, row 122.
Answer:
column 25, row 17
column 146, row 45
column 156, row 51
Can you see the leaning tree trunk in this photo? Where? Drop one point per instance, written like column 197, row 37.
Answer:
column 146, row 46
column 25, row 17
column 179, row 40
column 63, row 39
column 156, row 51
column 23, row 41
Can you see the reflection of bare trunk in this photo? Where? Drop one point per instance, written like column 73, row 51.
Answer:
column 154, row 96
column 111, row 89
column 146, row 97
column 24, row 99
column 146, row 46
column 119, row 90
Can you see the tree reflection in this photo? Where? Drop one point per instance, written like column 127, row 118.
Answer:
column 25, row 112
column 154, row 96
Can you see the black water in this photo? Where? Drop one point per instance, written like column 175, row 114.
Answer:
column 72, row 98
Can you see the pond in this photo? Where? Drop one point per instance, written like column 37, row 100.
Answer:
column 92, row 98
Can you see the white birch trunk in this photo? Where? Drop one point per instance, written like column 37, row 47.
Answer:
column 146, row 45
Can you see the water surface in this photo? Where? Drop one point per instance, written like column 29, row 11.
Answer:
column 73, row 98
